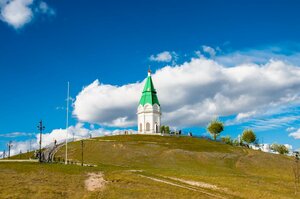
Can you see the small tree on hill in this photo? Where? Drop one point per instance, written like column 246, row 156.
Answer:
column 280, row 148
column 215, row 127
column 167, row 129
column 162, row 129
column 248, row 136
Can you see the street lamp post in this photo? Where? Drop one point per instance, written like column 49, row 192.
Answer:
column 40, row 128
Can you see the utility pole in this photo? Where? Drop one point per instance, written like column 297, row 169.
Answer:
column 82, row 152
column 296, row 171
column 67, row 123
column 40, row 128
column 29, row 145
column 4, row 154
column 9, row 147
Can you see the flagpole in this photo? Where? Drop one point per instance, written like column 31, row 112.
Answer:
column 67, row 123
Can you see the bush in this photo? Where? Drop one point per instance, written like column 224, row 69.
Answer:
column 165, row 129
column 236, row 143
column 280, row 148
column 227, row 140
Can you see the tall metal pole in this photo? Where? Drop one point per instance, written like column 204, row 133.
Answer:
column 40, row 128
column 67, row 123
column 9, row 147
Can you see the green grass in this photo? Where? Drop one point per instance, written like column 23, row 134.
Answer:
column 23, row 156
column 239, row 172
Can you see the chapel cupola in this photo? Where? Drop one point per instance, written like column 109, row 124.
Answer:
column 149, row 113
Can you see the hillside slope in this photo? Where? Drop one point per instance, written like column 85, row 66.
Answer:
column 144, row 166
column 232, row 171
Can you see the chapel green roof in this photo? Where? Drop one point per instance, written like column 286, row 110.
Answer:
column 149, row 93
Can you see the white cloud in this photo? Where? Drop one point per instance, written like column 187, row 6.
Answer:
column 289, row 147
column 45, row 9
column 295, row 134
column 193, row 93
column 17, row 13
column 258, row 56
column 108, row 105
column 246, row 115
column 273, row 123
column 290, row 129
column 15, row 134
column 165, row 56
column 211, row 51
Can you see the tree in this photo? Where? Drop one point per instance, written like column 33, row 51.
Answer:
column 248, row 136
column 162, row 129
column 167, row 129
column 280, row 148
column 215, row 127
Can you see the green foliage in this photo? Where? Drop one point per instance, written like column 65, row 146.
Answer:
column 248, row 136
column 215, row 127
column 165, row 129
column 162, row 129
column 236, row 143
column 280, row 148
column 227, row 140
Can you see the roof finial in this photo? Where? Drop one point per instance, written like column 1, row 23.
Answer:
column 149, row 71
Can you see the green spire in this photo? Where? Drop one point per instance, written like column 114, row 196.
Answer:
column 149, row 93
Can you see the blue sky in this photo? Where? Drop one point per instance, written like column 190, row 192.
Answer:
column 53, row 42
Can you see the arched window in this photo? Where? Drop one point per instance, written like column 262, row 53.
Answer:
column 141, row 127
column 147, row 126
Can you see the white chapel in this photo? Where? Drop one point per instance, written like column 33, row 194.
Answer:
column 148, row 112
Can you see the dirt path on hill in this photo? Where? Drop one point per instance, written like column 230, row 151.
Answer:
column 190, row 185
column 95, row 182
column 195, row 183
column 20, row 160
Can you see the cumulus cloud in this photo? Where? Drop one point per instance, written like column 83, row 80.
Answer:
column 193, row 93
column 295, row 134
column 289, row 147
column 107, row 104
column 165, row 56
column 17, row 13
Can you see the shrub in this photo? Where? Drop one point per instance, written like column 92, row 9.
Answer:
column 227, row 140
column 280, row 148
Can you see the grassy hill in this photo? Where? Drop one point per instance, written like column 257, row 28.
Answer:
column 144, row 166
